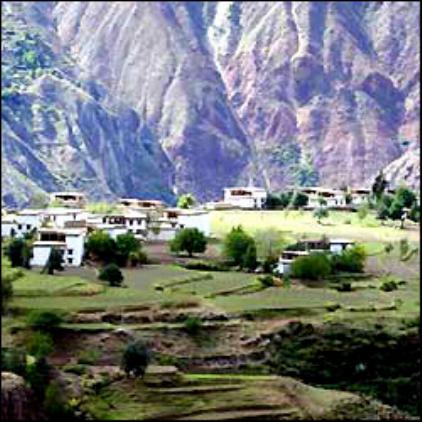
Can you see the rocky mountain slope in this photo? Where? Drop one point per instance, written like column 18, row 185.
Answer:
column 157, row 98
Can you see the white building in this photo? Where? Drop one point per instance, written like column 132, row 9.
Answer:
column 69, row 241
column 162, row 229
column 190, row 218
column 359, row 195
column 69, row 199
column 59, row 216
column 134, row 222
column 332, row 197
column 9, row 226
column 337, row 246
column 245, row 197
column 285, row 261
column 28, row 220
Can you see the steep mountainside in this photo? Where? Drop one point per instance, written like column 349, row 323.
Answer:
column 192, row 96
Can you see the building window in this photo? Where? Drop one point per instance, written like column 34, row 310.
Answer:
column 28, row 227
column 69, row 260
column 70, row 251
column 130, row 222
column 19, row 226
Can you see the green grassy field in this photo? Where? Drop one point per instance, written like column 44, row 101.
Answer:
column 296, row 223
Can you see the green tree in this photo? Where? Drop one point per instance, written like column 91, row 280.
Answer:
column 269, row 244
column 236, row 244
column 126, row 244
column 19, row 253
column 112, row 274
column 249, row 259
column 383, row 207
column 311, row 267
column 193, row 325
column 320, row 213
column 136, row 358
column 352, row 260
column 299, row 200
column 44, row 320
column 379, row 186
column 186, row 201
column 363, row 211
column 40, row 344
column 190, row 240
column 54, row 262
column 101, row 246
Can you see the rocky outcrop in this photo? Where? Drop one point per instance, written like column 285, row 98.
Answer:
column 17, row 399
column 198, row 96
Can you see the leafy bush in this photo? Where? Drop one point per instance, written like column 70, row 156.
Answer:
column 249, row 259
column 136, row 358
column 40, row 344
column 112, row 274
column 186, row 201
column 137, row 258
column 363, row 211
column 19, row 253
column 311, row 267
column 206, row 266
column 389, row 286
column 75, row 368
column 44, row 320
column 266, row 280
column 55, row 404
column 54, row 262
column 345, row 286
column 320, row 213
column 269, row 264
column 193, row 325
column 88, row 357
column 190, row 240
column 332, row 306
column 352, row 260
column 126, row 244
column 13, row 360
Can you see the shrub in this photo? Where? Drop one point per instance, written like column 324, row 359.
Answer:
column 345, row 286
column 363, row 211
column 112, row 274
column 266, row 281
column 40, row 344
column 101, row 246
column 55, row 404
column 332, row 306
column 44, row 320
column 13, row 360
column 351, row 260
column 190, row 240
column 37, row 374
column 75, row 368
column 206, row 266
column 389, row 286
column 54, row 262
column 137, row 258
column 19, row 253
column 193, row 325
column 249, row 259
column 311, row 267
column 88, row 357
column 186, row 201
column 236, row 244
column 320, row 213
column 269, row 264
column 136, row 358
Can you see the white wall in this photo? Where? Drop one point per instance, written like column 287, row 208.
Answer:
column 165, row 234
column 6, row 229
column 40, row 255
column 76, row 244
column 200, row 221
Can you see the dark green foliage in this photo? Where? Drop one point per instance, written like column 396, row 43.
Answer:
column 287, row 199
column 415, row 213
column 269, row 264
column 40, row 344
column 190, row 240
column 379, row 186
column 37, row 374
column 351, row 260
column 389, row 286
column 19, row 253
column 383, row 207
column 312, row 267
column 266, row 280
column 136, row 358
column 126, row 244
column 320, row 213
column 54, row 262
column 6, row 291
column 370, row 361
column 299, row 200
column 101, row 246
column 249, row 259
column 13, row 360
column 363, row 211
column 236, row 244
column 55, row 404
column 206, row 266
column 186, row 201
column 193, row 325
column 273, row 202
column 137, row 258
column 344, row 286
column 112, row 274
column 44, row 320
column 75, row 368
column 332, row 306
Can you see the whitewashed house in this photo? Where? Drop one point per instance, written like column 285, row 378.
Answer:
column 28, row 220
column 162, row 229
column 190, row 218
column 58, row 217
column 332, row 197
column 285, row 261
column 69, row 241
column 360, row 196
column 245, row 197
column 9, row 226
column 134, row 222
column 337, row 246
column 69, row 199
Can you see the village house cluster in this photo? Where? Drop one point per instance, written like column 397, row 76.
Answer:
column 66, row 224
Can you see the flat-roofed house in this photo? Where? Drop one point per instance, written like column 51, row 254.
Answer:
column 286, row 259
column 360, row 195
column 69, row 199
column 9, row 226
column 59, row 216
column 245, row 197
column 69, row 241
column 332, row 197
column 134, row 222
column 337, row 246
column 141, row 204
column 28, row 220
column 190, row 218
column 162, row 229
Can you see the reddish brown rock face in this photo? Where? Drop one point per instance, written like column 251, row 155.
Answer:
column 227, row 91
